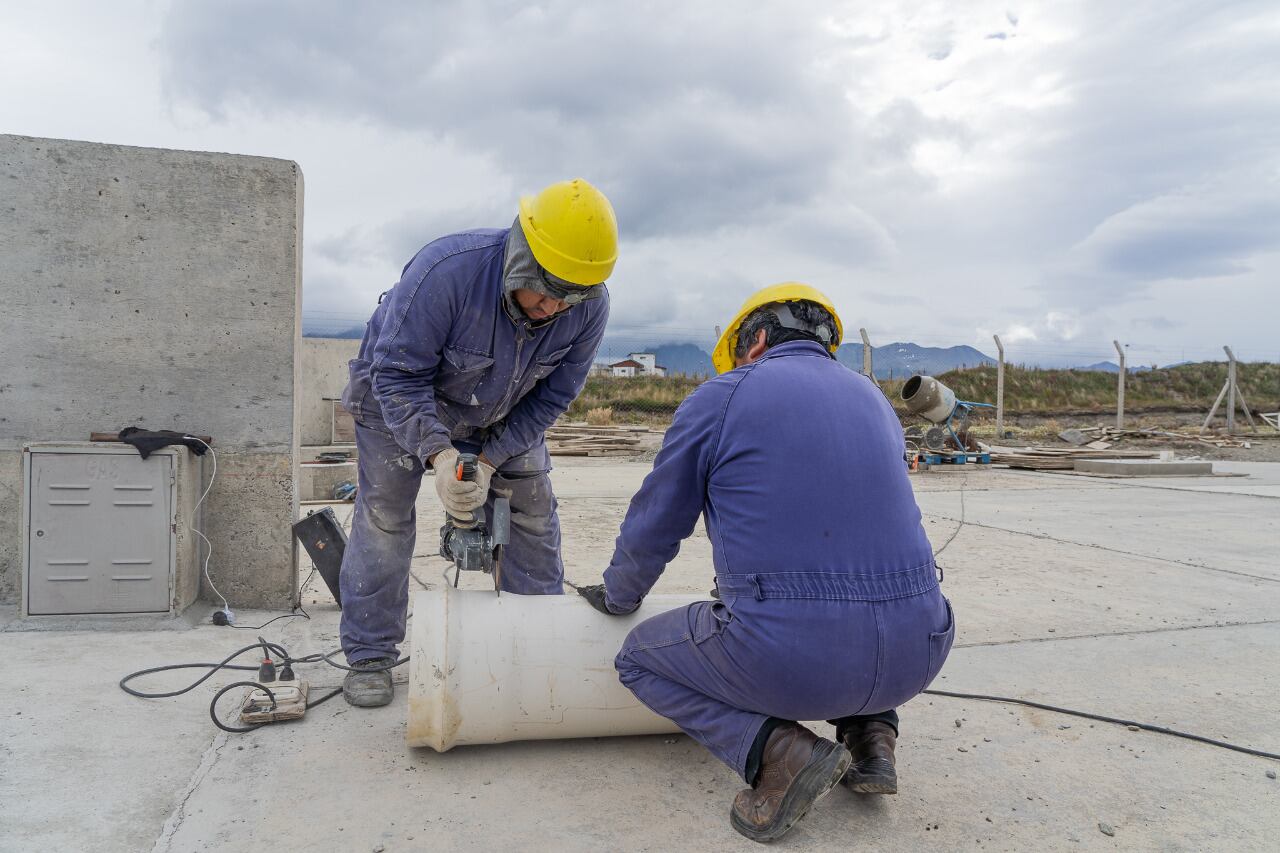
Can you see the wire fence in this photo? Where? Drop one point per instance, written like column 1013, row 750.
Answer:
column 641, row 375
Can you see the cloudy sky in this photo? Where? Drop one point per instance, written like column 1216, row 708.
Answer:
column 1060, row 173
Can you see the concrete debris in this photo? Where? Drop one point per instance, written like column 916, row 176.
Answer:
column 1074, row 436
column 1107, row 829
column 1271, row 774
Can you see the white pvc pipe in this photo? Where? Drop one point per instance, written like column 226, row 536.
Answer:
column 486, row 668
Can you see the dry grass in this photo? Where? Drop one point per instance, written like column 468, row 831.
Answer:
column 1189, row 387
column 633, row 399
column 602, row 416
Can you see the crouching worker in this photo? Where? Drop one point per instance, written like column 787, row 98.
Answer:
column 828, row 608
column 485, row 341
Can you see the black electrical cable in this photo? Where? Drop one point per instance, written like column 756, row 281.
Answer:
column 1105, row 719
column 269, row 621
column 213, row 706
column 267, row 649
column 323, row 699
column 225, row 663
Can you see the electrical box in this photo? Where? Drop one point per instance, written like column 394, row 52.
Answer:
column 106, row 531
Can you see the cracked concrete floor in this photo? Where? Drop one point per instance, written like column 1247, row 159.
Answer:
column 1156, row 600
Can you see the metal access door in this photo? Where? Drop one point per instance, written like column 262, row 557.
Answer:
column 99, row 533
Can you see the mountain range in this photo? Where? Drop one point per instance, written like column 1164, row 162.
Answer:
column 896, row 360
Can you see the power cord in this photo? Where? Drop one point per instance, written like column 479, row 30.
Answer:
column 268, row 649
column 1105, row 719
column 228, row 615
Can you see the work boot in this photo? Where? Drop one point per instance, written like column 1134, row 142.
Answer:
column 368, row 685
column 872, row 771
column 797, row 769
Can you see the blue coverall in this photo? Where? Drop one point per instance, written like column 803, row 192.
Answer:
column 829, row 606
column 446, row 361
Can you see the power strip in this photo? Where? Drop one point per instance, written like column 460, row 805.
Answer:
column 290, row 702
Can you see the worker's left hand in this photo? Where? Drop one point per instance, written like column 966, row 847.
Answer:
column 594, row 594
column 462, row 498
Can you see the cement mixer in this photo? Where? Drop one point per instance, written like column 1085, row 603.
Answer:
column 948, row 440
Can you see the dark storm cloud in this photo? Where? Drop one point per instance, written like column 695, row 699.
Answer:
column 692, row 118
column 1076, row 161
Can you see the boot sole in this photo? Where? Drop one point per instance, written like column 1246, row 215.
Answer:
column 366, row 702
column 820, row 774
column 871, row 785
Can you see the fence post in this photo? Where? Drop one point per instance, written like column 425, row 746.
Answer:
column 866, row 355
column 999, row 389
column 1120, row 389
column 1231, row 391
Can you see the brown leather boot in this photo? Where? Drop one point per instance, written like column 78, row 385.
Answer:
column 797, row 769
column 872, row 771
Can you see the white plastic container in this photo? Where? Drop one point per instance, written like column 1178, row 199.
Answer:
column 489, row 669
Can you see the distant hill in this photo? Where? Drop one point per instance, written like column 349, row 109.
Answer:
column 900, row 360
column 687, row 359
column 1103, row 366
column 1112, row 367
column 311, row 329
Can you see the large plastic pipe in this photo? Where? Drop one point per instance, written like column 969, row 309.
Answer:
column 928, row 398
column 486, row 668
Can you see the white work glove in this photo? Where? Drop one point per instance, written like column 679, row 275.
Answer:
column 461, row 498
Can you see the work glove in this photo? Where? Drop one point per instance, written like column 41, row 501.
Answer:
column 594, row 594
column 461, row 498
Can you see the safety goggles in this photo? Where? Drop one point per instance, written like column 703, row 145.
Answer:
column 566, row 291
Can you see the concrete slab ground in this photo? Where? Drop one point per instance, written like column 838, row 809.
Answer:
column 1156, row 601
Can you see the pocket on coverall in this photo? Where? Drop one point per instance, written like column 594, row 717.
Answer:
column 542, row 367
column 461, row 373
column 940, row 646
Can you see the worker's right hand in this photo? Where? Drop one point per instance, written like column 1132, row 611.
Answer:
column 461, row 498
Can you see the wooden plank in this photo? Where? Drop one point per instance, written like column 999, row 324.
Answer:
column 112, row 436
column 343, row 429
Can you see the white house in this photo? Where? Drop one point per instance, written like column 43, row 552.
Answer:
column 626, row 367
column 648, row 364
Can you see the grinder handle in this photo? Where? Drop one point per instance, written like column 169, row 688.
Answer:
column 466, row 470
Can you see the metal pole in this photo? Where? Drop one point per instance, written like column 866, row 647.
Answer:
column 999, row 389
column 1120, row 389
column 1231, row 391
column 866, row 355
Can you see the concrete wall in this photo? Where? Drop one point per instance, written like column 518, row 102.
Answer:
column 160, row 289
column 323, row 373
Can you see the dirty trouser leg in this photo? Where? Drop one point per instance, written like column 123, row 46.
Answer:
column 678, row 664
column 375, row 567
column 531, row 563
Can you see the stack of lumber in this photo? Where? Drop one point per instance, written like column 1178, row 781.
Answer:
column 580, row 439
column 1058, row 458
column 1112, row 434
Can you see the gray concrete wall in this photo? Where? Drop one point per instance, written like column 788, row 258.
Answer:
column 323, row 373
column 161, row 289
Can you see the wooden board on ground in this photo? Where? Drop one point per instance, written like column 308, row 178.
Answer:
column 1059, row 458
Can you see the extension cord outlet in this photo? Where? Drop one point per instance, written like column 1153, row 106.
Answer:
column 291, row 702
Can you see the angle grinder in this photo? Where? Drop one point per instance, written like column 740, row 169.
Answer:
column 471, row 544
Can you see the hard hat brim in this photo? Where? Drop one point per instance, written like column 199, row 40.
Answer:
column 790, row 291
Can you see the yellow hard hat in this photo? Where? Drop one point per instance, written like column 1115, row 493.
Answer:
column 572, row 231
column 788, row 291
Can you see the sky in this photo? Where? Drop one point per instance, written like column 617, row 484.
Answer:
column 1062, row 174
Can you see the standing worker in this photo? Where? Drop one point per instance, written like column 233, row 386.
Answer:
column 485, row 341
column 829, row 606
